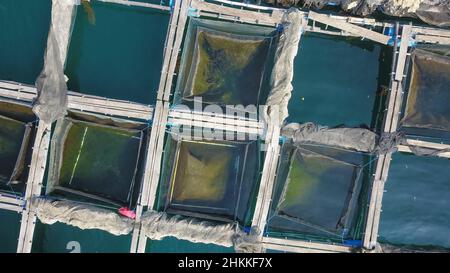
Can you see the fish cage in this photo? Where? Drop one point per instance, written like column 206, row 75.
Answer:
column 17, row 132
column 416, row 204
column 116, row 51
column 97, row 159
column 210, row 179
column 320, row 194
column 24, row 27
column 332, row 89
column 225, row 63
column 62, row 238
column 426, row 111
column 9, row 231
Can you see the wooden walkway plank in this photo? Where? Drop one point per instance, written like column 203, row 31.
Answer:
column 390, row 126
column 445, row 148
column 167, row 54
column 348, row 27
column 404, row 44
column 14, row 200
column 137, row 4
column 302, row 246
column 78, row 101
column 34, row 185
column 267, row 178
column 432, row 39
column 182, row 21
column 255, row 17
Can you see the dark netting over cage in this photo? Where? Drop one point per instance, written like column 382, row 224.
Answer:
column 427, row 110
column 96, row 159
column 225, row 63
column 318, row 193
column 16, row 135
column 209, row 179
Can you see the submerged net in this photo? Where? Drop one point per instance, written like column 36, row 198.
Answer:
column 221, row 59
column 14, row 139
column 321, row 179
column 81, row 215
column 318, row 193
column 96, row 162
column 427, row 112
column 15, row 143
column 209, row 179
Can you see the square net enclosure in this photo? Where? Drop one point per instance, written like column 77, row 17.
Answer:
column 97, row 160
column 319, row 193
column 416, row 204
column 427, row 110
column 214, row 180
column 16, row 140
column 225, row 63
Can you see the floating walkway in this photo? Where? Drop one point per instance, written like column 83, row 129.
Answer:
column 81, row 102
column 163, row 115
column 12, row 203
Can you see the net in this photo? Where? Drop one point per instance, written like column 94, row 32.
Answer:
column 318, row 193
column 427, row 113
column 15, row 146
column 220, row 59
column 209, row 179
column 96, row 162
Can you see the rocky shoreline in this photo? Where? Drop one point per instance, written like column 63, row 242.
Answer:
column 433, row 12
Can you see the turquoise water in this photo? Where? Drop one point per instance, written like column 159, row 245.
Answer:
column 120, row 56
column 9, row 231
column 335, row 81
column 24, row 27
column 416, row 205
column 173, row 245
column 59, row 238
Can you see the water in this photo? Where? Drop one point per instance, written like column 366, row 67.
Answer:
column 9, row 231
column 335, row 81
column 173, row 245
column 61, row 238
column 120, row 56
column 416, row 205
column 24, row 26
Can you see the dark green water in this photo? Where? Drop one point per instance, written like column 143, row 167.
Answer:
column 24, row 26
column 416, row 205
column 120, row 56
column 9, row 231
column 335, row 81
